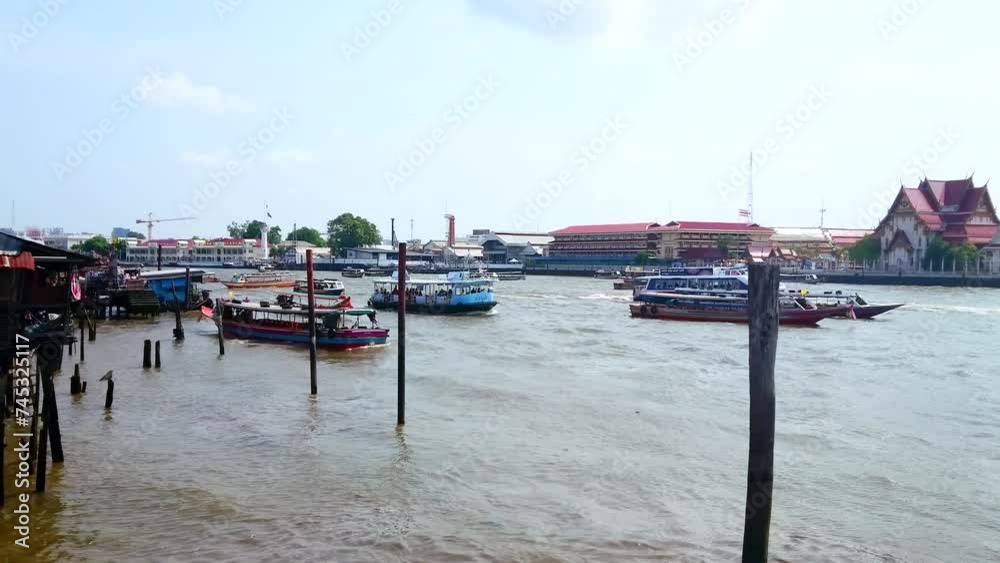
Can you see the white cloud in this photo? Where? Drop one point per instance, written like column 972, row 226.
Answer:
column 177, row 90
column 293, row 156
column 214, row 159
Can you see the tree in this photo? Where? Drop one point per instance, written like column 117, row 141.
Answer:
column 938, row 253
column 136, row 234
column 725, row 244
column 307, row 234
column 641, row 259
column 253, row 229
column 964, row 256
column 867, row 249
column 350, row 231
column 94, row 245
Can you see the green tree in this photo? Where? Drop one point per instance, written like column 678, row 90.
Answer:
column 938, row 255
column 641, row 259
column 726, row 244
column 136, row 234
column 867, row 249
column 351, row 231
column 274, row 235
column 253, row 229
column 964, row 256
column 307, row 234
column 94, row 245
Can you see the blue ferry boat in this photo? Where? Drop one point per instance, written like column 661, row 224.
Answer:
column 459, row 293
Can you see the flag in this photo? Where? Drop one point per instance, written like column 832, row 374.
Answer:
column 744, row 213
column 268, row 211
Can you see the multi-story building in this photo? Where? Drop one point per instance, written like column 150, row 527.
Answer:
column 611, row 240
column 955, row 211
column 197, row 252
column 708, row 241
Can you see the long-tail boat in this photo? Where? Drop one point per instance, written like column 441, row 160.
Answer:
column 332, row 286
column 336, row 329
column 287, row 300
column 726, row 308
column 261, row 280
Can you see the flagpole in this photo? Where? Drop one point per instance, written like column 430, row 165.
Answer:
column 750, row 195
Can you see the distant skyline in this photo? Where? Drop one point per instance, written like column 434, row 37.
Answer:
column 512, row 115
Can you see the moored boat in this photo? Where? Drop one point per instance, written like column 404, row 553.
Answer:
column 350, row 272
column 331, row 287
column 261, row 280
column 340, row 329
column 607, row 274
column 510, row 276
column 725, row 308
column 288, row 300
column 454, row 295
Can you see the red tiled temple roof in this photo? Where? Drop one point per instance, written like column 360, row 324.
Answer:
column 948, row 207
column 710, row 226
column 607, row 228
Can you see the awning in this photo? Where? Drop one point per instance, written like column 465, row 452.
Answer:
column 23, row 260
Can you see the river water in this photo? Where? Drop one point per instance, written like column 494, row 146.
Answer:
column 556, row 429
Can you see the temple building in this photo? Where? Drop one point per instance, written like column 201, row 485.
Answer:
column 955, row 210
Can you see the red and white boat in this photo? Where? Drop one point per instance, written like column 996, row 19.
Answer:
column 726, row 308
column 261, row 280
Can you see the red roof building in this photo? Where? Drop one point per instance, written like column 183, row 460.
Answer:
column 689, row 240
column 955, row 210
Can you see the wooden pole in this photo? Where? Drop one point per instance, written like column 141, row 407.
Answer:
column 74, row 382
column 312, row 322
column 50, row 417
column 217, row 317
column 763, row 302
column 91, row 329
column 178, row 329
column 147, row 348
column 83, row 354
column 156, row 355
column 110, row 397
column 159, row 257
column 401, row 339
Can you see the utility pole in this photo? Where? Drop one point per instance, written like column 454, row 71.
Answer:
column 822, row 213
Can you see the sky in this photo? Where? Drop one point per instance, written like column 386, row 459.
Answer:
column 527, row 115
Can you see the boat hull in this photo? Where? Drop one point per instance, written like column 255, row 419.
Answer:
column 341, row 340
column 869, row 311
column 440, row 309
column 325, row 292
column 802, row 317
column 259, row 285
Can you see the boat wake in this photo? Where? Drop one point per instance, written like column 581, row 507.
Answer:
column 965, row 309
column 606, row 297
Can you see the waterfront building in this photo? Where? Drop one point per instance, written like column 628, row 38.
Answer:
column 378, row 254
column 213, row 252
column 617, row 240
column 294, row 251
column 708, row 241
column 58, row 239
column 502, row 247
column 957, row 211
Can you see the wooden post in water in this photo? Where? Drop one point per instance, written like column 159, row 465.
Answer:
column 147, row 348
column 312, row 322
column 178, row 328
column 91, row 329
column 50, row 416
column 74, row 382
column 217, row 317
column 83, row 353
column 763, row 302
column 156, row 355
column 159, row 257
column 401, row 339
column 110, row 397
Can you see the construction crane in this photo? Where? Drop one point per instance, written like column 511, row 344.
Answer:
column 149, row 223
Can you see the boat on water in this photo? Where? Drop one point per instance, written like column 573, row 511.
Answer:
column 338, row 329
column 857, row 307
column 350, row 272
column 456, row 294
column 210, row 277
column 261, row 280
column 378, row 272
column 287, row 300
column 811, row 279
column 726, row 308
column 510, row 276
column 607, row 274
column 330, row 287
